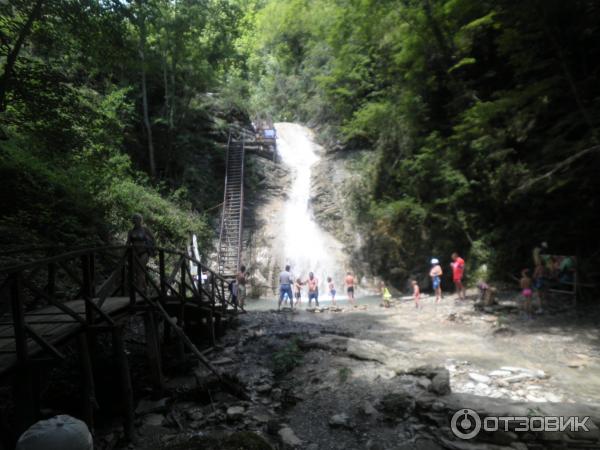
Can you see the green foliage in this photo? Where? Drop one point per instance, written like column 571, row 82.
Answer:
column 344, row 373
column 287, row 358
column 464, row 103
column 76, row 151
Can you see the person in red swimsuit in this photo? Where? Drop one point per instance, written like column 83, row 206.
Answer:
column 349, row 281
column 458, row 270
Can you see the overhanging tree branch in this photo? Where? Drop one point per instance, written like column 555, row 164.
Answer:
column 561, row 165
column 11, row 58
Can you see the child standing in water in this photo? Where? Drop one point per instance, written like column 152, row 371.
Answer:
column 298, row 291
column 331, row 289
column 387, row 296
column 416, row 293
column 526, row 292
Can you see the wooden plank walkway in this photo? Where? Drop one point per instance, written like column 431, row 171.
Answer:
column 53, row 325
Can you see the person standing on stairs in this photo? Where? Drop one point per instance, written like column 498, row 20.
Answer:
column 143, row 243
column 240, row 280
column 285, row 286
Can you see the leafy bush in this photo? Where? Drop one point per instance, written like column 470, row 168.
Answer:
column 287, row 358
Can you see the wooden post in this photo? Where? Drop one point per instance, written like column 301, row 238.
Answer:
column 51, row 289
column 153, row 350
column 163, row 292
column 163, row 277
column 23, row 386
column 211, row 316
column 125, row 380
column 131, row 276
column 88, row 387
column 91, row 271
column 575, row 287
column 182, row 290
column 123, row 289
column 87, row 288
column 181, row 311
column 222, row 310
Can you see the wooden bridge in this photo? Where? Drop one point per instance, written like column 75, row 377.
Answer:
column 73, row 296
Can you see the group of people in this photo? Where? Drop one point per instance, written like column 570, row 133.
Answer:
column 287, row 284
column 435, row 273
column 547, row 270
column 290, row 287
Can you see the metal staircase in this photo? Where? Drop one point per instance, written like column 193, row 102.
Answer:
column 230, row 236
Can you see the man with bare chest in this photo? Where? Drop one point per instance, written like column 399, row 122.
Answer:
column 313, row 289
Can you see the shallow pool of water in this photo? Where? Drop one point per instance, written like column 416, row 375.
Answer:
column 266, row 304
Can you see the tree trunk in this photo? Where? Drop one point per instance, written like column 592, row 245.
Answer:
column 148, row 126
column 11, row 58
column 167, row 108
column 441, row 40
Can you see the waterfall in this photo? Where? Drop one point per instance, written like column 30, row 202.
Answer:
column 306, row 246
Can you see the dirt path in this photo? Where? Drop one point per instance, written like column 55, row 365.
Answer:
column 562, row 343
column 377, row 378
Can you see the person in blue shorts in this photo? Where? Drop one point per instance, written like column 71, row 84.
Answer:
column 436, row 278
column 331, row 290
column 313, row 289
column 285, row 286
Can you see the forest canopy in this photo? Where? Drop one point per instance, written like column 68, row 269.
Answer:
column 481, row 118
column 109, row 108
column 478, row 119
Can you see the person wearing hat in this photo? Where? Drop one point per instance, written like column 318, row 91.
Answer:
column 436, row 278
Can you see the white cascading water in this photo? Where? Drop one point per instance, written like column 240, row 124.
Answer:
column 307, row 247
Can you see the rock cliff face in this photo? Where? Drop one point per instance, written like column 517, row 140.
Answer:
column 268, row 185
column 332, row 180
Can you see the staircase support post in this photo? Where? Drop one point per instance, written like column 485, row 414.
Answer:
column 125, row 381
column 153, row 350
column 88, row 387
column 23, row 381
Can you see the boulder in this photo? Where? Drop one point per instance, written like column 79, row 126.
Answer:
column 368, row 409
column 479, row 378
column 424, row 383
column 194, row 414
column 263, row 388
column 340, row 421
column 440, row 383
column 398, row 404
column 146, row 406
column 235, row 413
column 154, row 420
column 289, row 438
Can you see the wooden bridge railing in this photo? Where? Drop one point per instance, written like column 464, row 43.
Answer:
column 44, row 303
column 95, row 275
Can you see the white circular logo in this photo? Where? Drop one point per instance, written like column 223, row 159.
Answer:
column 465, row 424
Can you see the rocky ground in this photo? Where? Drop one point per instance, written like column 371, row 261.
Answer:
column 381, row 378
